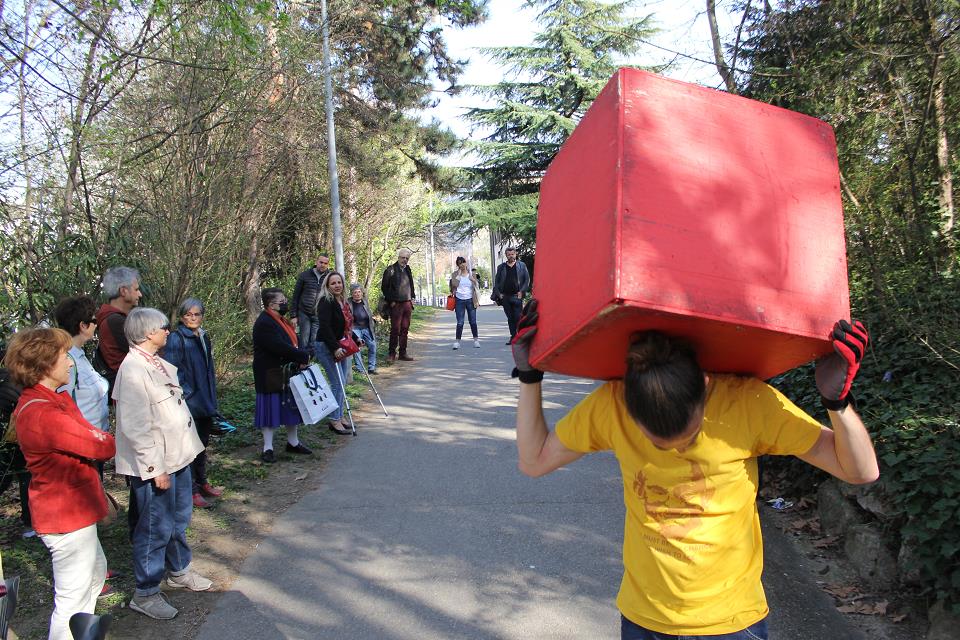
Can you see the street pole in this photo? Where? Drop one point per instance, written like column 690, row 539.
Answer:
column 433, row 258
column 332, row 144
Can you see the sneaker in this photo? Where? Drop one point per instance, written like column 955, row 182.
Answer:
column 199, row 502
column 154, row 606
column 207, row 490
column 405, row 358
column 371, row 372
column 456, row 345
column 510, row 341
column 476, row 344
column 107, row 591
column 189, row 580
column 300, row 448
column 391, row 358
column 111, row 574
column 268, row 457
column 28, row 533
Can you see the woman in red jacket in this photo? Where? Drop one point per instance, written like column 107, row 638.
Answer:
column 61, row 449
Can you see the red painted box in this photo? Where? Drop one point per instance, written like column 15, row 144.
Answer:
column 695, row 212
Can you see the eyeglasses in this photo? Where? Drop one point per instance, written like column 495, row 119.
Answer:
column 193, row 315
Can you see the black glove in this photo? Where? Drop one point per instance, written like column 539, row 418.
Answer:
column 835, row 372
column 526, row 329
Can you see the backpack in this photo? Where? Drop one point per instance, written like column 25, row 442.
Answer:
column 9, row 396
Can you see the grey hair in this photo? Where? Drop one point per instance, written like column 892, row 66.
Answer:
column 355, row 286
column 143, row 321
column 404, row 252
column 190, row 303
column 116, row 277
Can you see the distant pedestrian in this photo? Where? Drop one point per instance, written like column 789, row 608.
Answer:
column 303, row 305
column 364, row 328
column 466, row 290
column 476, row 274
column 398, row 293
column 510, row 285
column 156, row 443
column 276, row 357
column 121, row 288
column 334, row 319
column 190, row 350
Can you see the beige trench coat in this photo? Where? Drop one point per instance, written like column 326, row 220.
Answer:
column 155, row 431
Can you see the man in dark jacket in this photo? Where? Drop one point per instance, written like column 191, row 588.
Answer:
column 303, row 305
column 398, row 293
column 121, row 288
column 509, row 287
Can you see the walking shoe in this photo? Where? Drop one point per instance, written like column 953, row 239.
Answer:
column 339, row 430
column 371, row 372
column 28, row 533
column 391, row 358
column 199, row 502
column 300, row 448
column 476, row 344
column 189, row 580
column 268, row 457
column 154, row 606
column 406, row 358
column 207, row 490
column 456, row 345
column 111, row 574
column 106, row 591
column 510, row 341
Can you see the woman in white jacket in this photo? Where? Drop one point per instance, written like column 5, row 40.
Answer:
column 466, row 290
column 156, row 442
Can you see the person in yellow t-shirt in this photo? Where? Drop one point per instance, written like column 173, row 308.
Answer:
column 687, row 443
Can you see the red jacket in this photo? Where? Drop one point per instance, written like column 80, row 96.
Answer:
column 60, row 448
column 113, row 342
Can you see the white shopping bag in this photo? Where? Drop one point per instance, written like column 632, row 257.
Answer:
column 312, row 394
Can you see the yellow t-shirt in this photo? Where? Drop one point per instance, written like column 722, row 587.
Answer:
column 692, row 552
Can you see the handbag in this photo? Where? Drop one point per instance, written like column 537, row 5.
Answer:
column 276, row 379
column 312, row 394
column 113, row 507
column 347, row 344
column 451, row 302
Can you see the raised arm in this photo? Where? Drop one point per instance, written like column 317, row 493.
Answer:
column 539, row 449
column 846, row 451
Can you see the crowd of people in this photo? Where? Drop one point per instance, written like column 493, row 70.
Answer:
column 159, row 385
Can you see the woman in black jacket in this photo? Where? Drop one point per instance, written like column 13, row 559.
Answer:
column 275, row 345
column 335, row 320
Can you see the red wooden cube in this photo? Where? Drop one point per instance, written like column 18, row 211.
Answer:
column 695, row 212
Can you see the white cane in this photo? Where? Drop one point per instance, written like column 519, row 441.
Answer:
column 346, row 401
column 376, row 393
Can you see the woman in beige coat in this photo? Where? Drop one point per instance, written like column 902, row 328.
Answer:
column 466, row 290
column 156, row 442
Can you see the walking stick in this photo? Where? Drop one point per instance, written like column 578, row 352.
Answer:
column 376, row 393
column 346, row 401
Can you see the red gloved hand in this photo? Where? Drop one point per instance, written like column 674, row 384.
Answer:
column 835, row 372
column 520, row 345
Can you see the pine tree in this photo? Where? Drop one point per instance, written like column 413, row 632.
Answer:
column 553, row 83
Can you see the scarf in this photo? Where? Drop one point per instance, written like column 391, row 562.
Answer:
column 284, row 324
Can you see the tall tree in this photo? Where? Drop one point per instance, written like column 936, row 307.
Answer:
column 551, row 85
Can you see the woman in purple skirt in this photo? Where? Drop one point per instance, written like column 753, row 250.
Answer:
column 276, row 354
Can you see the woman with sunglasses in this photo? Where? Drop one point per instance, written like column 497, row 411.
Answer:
column 156, row 442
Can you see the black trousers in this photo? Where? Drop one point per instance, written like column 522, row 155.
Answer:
column 199, row 465
column 512, row 306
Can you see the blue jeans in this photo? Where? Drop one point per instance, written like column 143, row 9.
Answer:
column 159, row 521
column 330, row 365
column 307, row 326
column 631, row 631
column 471, row 314
column 512, row 306
column 367, row 336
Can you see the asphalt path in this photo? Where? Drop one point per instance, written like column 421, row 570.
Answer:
column 425, row 529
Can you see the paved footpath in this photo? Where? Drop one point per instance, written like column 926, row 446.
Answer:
column 425, row 529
